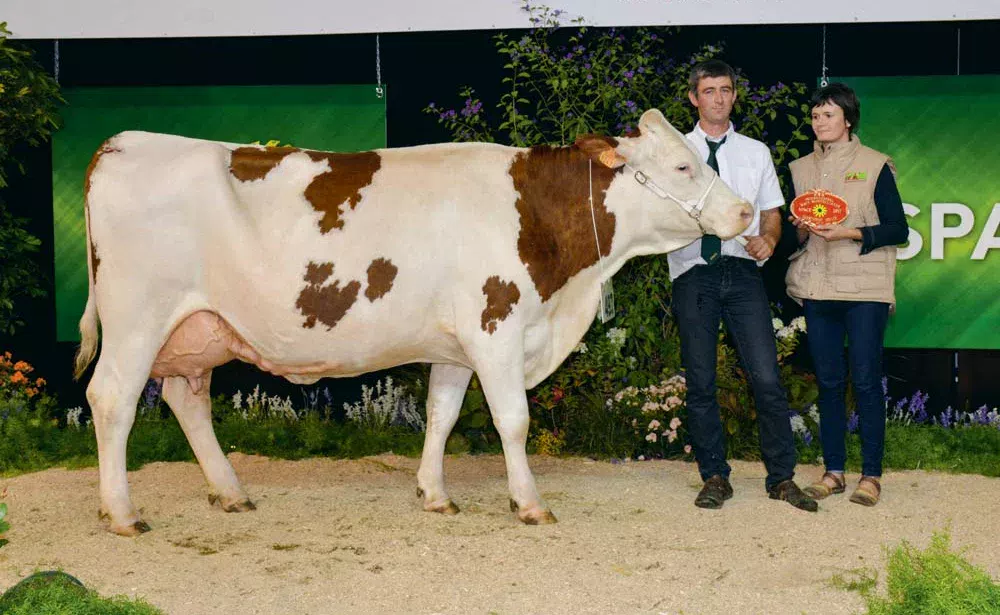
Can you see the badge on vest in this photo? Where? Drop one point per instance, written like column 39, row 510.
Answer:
column 855, row 176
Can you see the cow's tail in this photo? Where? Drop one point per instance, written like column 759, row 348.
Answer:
column 88, row 323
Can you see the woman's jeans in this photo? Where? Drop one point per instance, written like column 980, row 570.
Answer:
column 863, row 325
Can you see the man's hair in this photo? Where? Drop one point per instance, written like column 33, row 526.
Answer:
column 710, row 68
column 844, row 97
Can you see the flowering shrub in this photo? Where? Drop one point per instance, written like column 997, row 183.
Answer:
column 656, row 415
column 259, row 406
column 15, row 379
column 383, row 406
column 561, row 82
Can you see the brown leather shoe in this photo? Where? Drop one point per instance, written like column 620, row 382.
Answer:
column 714, row 493
column 868, row 491
column 788, row 491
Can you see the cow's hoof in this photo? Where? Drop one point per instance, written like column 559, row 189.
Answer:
column 233, row 506
column 537, row 516
column 445, row 508
column 134, row 529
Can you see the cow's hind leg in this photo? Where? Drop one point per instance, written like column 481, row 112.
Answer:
column 503, row 382
column 194, row 413
column 444, row 401
column 113, row 393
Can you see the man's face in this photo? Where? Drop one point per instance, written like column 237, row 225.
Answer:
column 714, row 99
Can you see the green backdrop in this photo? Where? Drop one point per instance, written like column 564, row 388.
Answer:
column 334, row 118
column 942, row 132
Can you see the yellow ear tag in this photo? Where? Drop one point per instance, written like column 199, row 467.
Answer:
column 608, row 158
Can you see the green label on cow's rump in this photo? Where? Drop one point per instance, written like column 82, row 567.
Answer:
column 335, row 118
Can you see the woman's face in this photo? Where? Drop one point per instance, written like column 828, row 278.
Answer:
column 829, row 124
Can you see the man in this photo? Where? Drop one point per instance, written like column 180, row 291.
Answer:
column 717, row 281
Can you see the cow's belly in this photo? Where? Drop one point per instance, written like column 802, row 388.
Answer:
column 204, row 340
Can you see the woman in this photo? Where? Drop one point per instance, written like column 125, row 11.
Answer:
column 844, row 275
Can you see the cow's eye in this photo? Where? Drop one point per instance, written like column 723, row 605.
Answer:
column 683, row 168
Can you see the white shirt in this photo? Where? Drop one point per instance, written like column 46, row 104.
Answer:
column 745, row 166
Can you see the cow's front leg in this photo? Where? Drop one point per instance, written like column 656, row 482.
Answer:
column 503, row 383
column 444, row 401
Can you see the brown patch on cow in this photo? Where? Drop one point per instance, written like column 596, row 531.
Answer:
column 105, row 148
column 328, row 303
column 250, row 163
column 348, row 174
column 501, row 297
column 318, row 273
column 557, row 233
column 381, row 274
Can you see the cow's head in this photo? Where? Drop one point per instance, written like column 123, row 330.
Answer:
column 679, row 196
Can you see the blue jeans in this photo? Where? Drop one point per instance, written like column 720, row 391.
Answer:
column 863, row 325
column 731, row 290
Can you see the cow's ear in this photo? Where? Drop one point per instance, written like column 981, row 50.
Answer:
column 601, row 149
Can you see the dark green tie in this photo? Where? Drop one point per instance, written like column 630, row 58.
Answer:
column 711, row 246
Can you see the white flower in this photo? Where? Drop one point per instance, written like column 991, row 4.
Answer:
column 73, row 417
column 617, row 336
column 798, row 425
column 776, row 323
column 654, row 424
column 799, row 323
column 651, row 437
column 814, row 413
column 632, row 362
column 581, row 348
column 675, row 423
column 785, row 332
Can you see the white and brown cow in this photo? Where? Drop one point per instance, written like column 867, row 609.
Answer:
column 473, row 257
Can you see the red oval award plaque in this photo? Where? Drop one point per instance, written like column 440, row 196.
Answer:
column 819, row 207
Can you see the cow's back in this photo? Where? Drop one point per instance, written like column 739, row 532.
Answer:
column 363, row 259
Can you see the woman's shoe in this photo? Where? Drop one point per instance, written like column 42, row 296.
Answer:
column 867, row 492
column 829, row 484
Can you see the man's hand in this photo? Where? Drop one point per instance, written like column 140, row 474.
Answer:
column 760, row 247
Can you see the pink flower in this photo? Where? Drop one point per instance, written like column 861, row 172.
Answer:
column 671, row 436
column 654, row 424
column 651, row 437
column 675, row 423
column 687, row 449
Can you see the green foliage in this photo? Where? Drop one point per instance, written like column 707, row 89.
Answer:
column 59, row 595
column 28, row 101
column 561, row 82
column 29, row 98
column 20, row 276
column 934, row 581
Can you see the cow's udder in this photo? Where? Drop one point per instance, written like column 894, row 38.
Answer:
column 204, row 340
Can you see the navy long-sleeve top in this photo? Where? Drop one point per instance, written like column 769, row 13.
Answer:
column 892, row 228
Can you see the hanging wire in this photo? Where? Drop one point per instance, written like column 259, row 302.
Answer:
column 55, row 69
column 823, row 81
column 958, row 66
column 379, row 90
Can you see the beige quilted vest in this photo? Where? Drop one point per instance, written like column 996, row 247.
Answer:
column 834, row 270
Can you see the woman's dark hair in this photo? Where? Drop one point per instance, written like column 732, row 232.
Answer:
column 842, row 96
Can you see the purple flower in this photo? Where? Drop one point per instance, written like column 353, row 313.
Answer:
column 587, row 65
column 629, row 74
column 568, row 56
column 652, row 37
column 151, row 394
column 852, row 422
column 947, row 417
column 431, row 105
column 590, row 77
column 641, row 69
column 807, row 437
